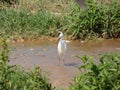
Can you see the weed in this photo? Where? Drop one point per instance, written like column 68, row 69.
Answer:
column 95, row 20
column 104, row 76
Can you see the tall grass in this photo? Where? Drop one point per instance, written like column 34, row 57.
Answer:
column 43, row 17
column 26, row 23
column 104, row 76
column 14, row 78
column 98, row 20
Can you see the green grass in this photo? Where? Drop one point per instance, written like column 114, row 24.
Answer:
column 104, row 76
column 31, row 18
column 26, row 23
column 98, row 20
column 28, row 18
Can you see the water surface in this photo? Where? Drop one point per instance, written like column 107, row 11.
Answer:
column 43, row 53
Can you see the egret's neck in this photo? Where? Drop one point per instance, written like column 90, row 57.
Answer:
column 61, row 38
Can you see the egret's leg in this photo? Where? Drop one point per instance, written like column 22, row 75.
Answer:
column 63, row 60
column 58, row 60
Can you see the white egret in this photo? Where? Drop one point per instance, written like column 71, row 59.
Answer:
column 62, row 47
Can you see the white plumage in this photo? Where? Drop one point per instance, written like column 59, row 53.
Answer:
column 62, row 47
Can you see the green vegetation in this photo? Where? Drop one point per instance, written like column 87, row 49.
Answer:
column 26, row 23
column 36, row 18
column 28, row 18
column 104, row 76
column 100, row 19
column 14, row 78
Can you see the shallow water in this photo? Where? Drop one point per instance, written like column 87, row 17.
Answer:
column 43, row 53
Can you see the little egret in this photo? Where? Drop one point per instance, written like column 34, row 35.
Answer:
column 62, row 47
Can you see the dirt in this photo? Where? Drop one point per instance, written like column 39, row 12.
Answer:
column 44, row 54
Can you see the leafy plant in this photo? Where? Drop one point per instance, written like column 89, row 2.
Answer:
column 104, row 76
column 111, row 19
column 96, row 20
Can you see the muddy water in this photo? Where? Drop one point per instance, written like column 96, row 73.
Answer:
column 44, row 54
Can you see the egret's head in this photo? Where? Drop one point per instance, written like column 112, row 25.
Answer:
column 60, row 35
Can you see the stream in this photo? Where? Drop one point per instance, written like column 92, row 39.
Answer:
column 44, row 54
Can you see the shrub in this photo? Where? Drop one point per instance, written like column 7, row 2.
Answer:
column 104, row 76
column 96, row 20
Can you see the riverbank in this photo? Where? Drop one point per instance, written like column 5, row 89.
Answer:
column 26, row 20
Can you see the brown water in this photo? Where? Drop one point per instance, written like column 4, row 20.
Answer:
column 44, row 54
